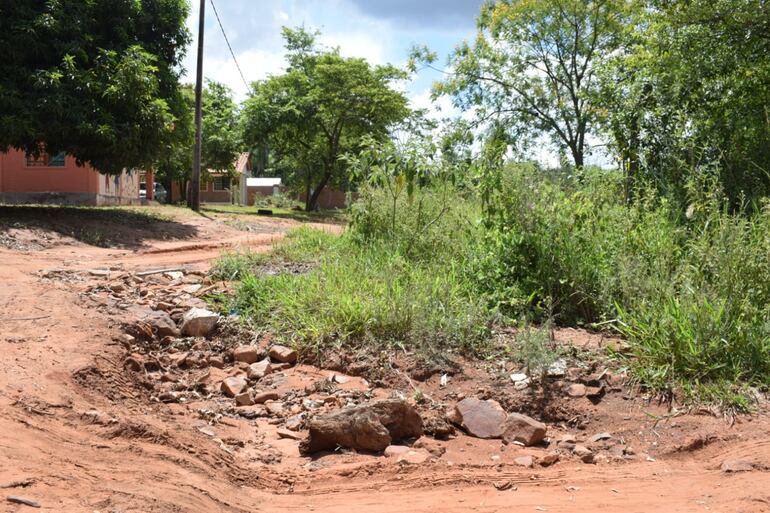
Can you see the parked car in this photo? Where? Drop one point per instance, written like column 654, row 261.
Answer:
column 159, row 192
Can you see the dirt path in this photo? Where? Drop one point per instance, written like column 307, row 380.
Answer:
column 77, row 434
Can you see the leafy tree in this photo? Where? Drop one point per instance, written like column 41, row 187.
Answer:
column 97, row 79
column 221, row 141
column 320, row 109
column 532, row 67
column 693, row 96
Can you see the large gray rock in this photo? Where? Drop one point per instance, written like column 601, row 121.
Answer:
column 523, row 429
column 369, row 427
column 199, row 322
column 479, row 418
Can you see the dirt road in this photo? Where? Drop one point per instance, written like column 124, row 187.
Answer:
column 78, row 435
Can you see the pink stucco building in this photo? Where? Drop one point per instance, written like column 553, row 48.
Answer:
column 58, row 179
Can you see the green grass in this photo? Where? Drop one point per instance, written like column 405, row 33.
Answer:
column 367, row 289
column 688, row 287
column 323, row 216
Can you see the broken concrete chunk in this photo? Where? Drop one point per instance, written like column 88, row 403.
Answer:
column 266, row 396
column 369, row 427
column 259, row 370
column 199, row 322
column 523, row 429
column 248, row 354
column 145, row 324
column 584, row 453
column 576, row 390
column 482, row 419
column 283, row 354
column 244, row 399
column 233, row 386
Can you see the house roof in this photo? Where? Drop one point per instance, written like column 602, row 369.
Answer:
column 262, row 182
column 242, row 163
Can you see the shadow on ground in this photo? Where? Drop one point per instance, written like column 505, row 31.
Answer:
column 106, row 227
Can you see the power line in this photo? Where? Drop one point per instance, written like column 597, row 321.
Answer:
column 248, row 87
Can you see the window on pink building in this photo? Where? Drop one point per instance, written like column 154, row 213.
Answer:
column 46, row 160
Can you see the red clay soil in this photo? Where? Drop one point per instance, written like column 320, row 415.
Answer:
column 78, row 432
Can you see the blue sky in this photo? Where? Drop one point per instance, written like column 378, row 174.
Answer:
column 382, row 31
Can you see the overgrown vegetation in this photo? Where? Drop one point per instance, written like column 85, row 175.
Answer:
column 450, row 239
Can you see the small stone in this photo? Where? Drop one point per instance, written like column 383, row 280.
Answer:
column 247, row 354
column 233, row 386
column 584, row 453
column 600, row 436
column 519, row 376
column 217, row 362
column 274, row 408
column 414, row 457
column 394, row 451
column 192, row 289
column 291, row 435
column 558, row 368
column 244, row 399
column 174, row 275
column 134, row 363
column 259, row 370
column 524, row 461
column 99, row 272
column 576, row 390
column 266, row 396
column 595, row 392
column 295, row 423
column 731, row 466
column 434, row 447
column 199, row 322
column 549, row 459
column 523, row 429
column 482, row 419
column 283, row 354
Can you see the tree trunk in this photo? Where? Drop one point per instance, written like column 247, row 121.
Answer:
column 312, row 202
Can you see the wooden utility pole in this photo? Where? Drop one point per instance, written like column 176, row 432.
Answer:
column 194, row 198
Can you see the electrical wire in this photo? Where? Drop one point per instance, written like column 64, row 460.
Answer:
column 248, row 87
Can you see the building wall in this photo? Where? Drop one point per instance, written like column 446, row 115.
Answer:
column 331, row 198
column 209, row 195
column 68, row 184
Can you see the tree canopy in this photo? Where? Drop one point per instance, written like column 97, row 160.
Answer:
column 320, row 109
column 97, row 79
column 221, row 137
column 692, row 97
column 532, row 67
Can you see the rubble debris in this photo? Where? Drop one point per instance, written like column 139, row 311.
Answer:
column 233, row 386
column 246, row 354
column 283, row 354
column 523, row 429
column 369, row 427
column 479, row 418
column 263, row 397
column 259, row 370
column 199, row 322
column 146, row 324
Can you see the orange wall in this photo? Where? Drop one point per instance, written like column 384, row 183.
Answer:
column 15, row 176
